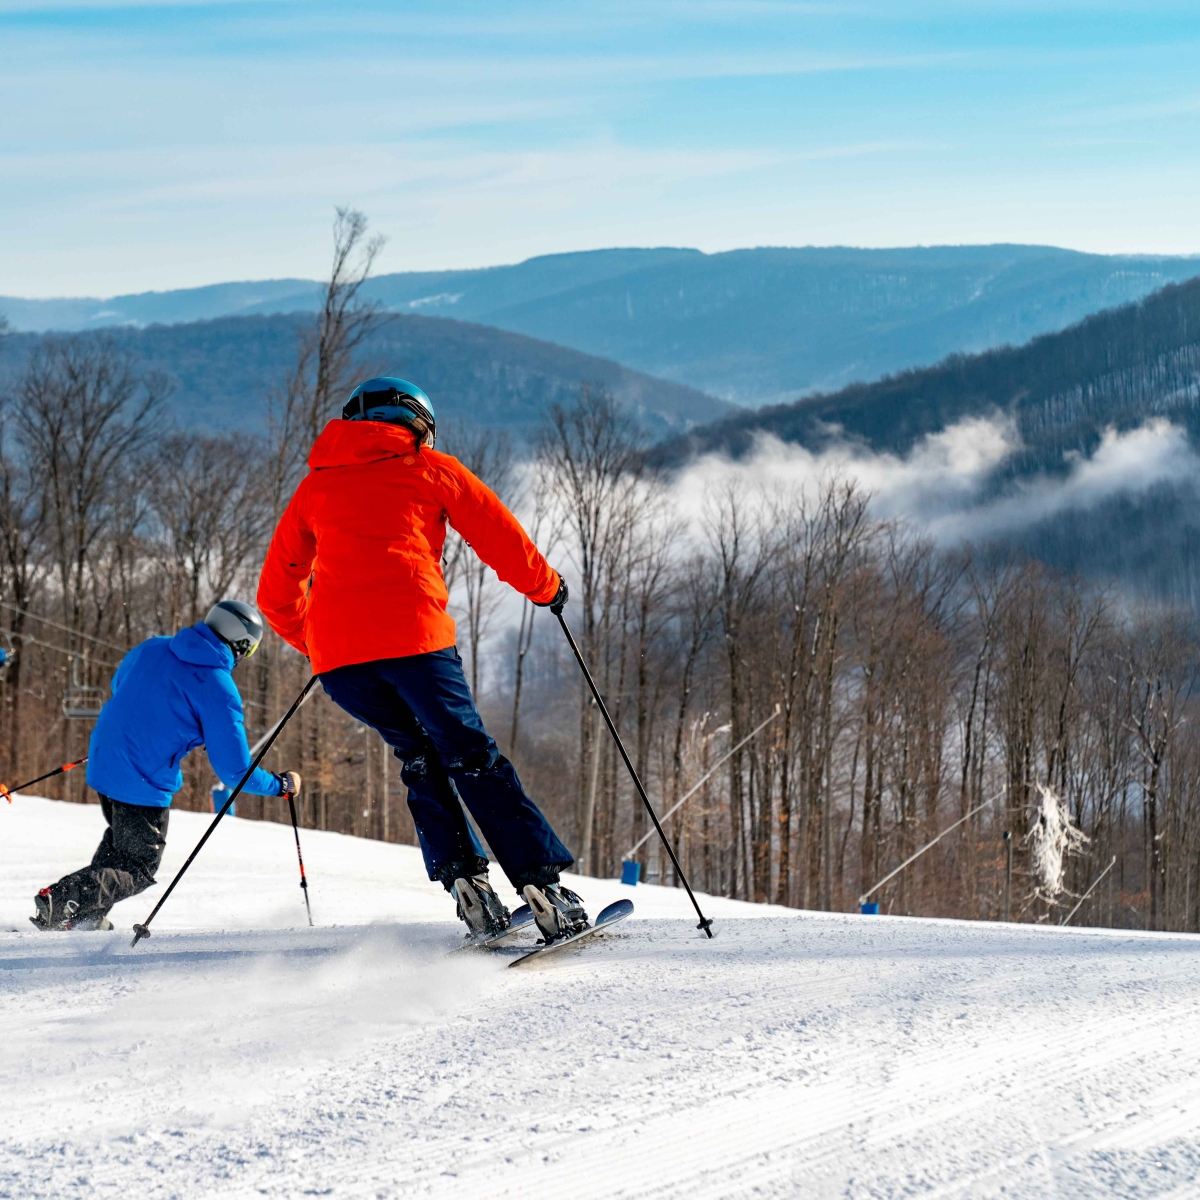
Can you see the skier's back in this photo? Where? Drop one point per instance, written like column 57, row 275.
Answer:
column 353, row 580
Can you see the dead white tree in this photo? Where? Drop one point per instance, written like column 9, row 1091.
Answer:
column 1051, row 838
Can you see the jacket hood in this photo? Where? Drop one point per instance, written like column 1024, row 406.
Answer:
column 347, row 443
column 199, row 646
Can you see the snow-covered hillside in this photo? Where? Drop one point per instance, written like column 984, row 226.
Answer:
column 239, row 1053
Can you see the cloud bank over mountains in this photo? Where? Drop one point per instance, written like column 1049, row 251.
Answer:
column 950, row 485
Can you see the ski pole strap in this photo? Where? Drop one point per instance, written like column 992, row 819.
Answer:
column 705, row 922
column 143, row 930
column 8, row 792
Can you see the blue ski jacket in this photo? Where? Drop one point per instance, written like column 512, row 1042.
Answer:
column 170, row 695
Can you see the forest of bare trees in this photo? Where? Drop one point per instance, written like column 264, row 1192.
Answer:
column 840, row 689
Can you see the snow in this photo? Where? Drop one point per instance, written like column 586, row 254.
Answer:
column 239, row 1053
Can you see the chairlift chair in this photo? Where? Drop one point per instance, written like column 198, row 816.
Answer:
column 80, row 702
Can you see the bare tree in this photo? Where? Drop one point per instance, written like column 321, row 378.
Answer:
column 590, row 459
column 22, row 566
column 487, row 454
column 83, row 412
column 740, row 548
column 545, row 528
column 1163, row 673
column 325, row 352
column 210, row 518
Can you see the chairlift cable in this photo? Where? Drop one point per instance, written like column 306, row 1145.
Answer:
column 65, row 628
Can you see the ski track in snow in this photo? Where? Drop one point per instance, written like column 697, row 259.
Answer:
column 796, row 1055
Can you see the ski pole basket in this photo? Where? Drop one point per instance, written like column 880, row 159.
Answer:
column 81, row 702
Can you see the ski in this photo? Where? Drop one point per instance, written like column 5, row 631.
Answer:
column 520, row 921
column 606, row 920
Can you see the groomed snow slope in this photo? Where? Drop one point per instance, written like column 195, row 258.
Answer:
column 240, row 1054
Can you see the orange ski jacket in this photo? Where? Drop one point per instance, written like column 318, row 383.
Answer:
column 353, row 572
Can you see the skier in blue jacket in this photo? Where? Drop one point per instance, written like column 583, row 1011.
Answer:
column 169, row 695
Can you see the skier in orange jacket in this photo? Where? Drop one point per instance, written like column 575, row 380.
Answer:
column 353, row 580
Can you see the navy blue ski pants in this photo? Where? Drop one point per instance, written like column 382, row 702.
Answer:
column 422, row 706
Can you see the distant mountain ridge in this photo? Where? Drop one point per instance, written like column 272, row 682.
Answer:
column 750, row 326
column 223, row 371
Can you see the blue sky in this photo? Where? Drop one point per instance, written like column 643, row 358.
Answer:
column 156, row 145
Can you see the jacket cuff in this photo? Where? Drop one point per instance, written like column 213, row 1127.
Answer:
column 544, row 595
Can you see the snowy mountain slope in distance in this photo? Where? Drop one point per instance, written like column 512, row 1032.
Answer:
column 795, row 1055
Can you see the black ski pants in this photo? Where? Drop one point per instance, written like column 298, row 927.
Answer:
column 124, row 863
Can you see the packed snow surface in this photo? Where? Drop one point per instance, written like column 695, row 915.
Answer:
column 239, row 1053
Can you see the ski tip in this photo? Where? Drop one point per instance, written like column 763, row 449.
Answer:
column 617, row 910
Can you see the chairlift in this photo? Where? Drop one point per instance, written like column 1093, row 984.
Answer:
column 80, row 702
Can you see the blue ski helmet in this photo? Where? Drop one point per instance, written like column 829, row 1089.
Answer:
column 387, row 398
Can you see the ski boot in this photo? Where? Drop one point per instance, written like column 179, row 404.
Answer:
column 480, row 907
column 51, row 915
column 56, row 917
column 557, row 910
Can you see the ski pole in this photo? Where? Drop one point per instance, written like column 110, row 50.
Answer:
column 303, row 877
column 143, row 930
column 705, row 923
column 291, row 803
column 8, row 792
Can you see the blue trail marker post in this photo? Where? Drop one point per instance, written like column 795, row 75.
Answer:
column 219, row 792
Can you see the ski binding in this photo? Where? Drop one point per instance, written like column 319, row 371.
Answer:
column 519, row 922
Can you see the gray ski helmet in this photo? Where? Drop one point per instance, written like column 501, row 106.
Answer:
column 387, row 398
column 238, row 625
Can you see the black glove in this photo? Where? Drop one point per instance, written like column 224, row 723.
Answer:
column 560, row 598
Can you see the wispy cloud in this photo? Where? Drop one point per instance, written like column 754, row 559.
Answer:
column 150, row 143
column 1128, row 463
column 941, row 484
